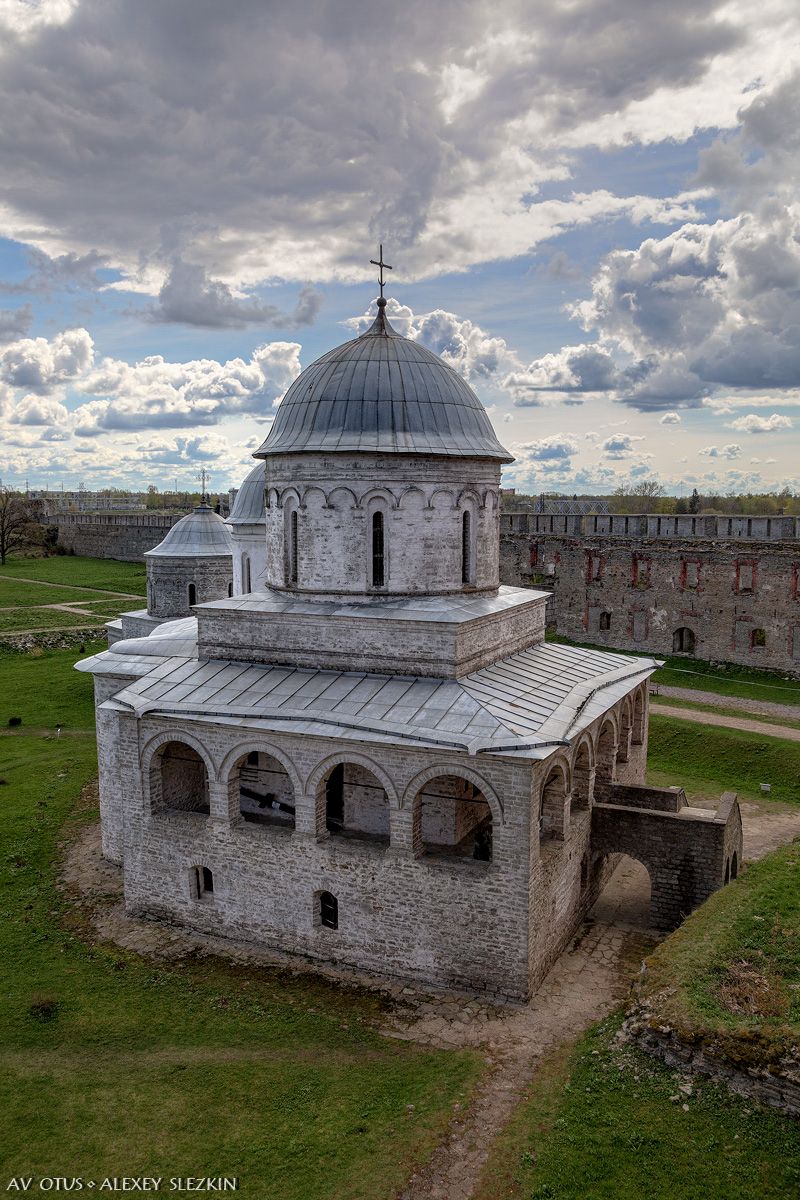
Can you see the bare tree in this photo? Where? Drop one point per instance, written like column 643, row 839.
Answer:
column 18, row 524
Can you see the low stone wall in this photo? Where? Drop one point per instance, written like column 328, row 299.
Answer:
column 775, row 1082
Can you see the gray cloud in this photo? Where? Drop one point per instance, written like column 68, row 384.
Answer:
column 15, row 323
column 65, row 271
column 188, row 296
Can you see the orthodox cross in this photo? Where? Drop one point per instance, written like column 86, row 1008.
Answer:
column 383, row 266
column 202, row 476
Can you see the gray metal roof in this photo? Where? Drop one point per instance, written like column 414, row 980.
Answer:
column 526, row 704
column 248, row 507
column 201, row 534
column 383, row 393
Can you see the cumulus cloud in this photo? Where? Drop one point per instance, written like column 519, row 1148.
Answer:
column 15, row 323
column 558, row 447
column 39, row 365
column 670, row 418
column 468, row 117
column 156, row 394
column 39, row 410
column 753, row 423
column 68, row 271
column 190, row 297
column 731, row 451
column 620, row 445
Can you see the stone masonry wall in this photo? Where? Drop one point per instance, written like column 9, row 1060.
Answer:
column 720, row 600
column 126, row 536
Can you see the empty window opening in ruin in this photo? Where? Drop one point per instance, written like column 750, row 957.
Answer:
column 593, row 566
column 378, row 557
column 203, row 882
column 641, row 573
column 179, row 780
column 466, row 547
column 455, row 820
column 758, row 639
column 691, row 574
column 605, row 622
column 356, row 804
column 263, row 790
column 745, row 573
column 683, row 641
column 328, row 910
column 192, row 595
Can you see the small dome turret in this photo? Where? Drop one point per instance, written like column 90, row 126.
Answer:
column 192, row 565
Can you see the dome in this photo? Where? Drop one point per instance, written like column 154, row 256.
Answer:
column 385, row 394
column 248, row 507
column 202, row 534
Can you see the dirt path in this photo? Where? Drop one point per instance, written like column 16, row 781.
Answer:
column 766, row 708
column 589, row 980
column 707, row 718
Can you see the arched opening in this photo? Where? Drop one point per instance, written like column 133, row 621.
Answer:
column 466, row 547
column 265, row 792
column 455, row 819
column 683, row 641
column 625, row 730
column 625, row 899
column 734, row 865
column 378, row 555
column 356, row 804
column 246, row 583
column 293, row 546
column 605, row 764
column 582, row 780
column 192, row 595
column 638, row 731
column 605, row 622
column 727, row 870
column 230, row 590
column 178, row 780
column 203, row 882
column 553, row 806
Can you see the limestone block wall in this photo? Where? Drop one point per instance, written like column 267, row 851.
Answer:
column 249, row 558
column 729, row 601
column 170, row 582
column 331, row 500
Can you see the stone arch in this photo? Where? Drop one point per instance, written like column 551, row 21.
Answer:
column 178, row 779
column 319, row 772
column 255, row 745
column 492, row 499
column 469, row 493
column 442, row 491
column 353, row 799
column 287, row 493
column 271, row 494
column 379, row 493
column 639, row 709
column 418, row 782
column 451, row 817
column 154, row 744
column 582, row 776
column 411, row 490
column 625, row 730
column 554, row 802
column 341, row 488
column 314, row 487
column 605, row 760
column 683, row 640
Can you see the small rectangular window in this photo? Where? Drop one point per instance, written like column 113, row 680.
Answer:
column 328, row 911
column 204, row 881
column 692, row 574
column 746, row 577
column 758, row 639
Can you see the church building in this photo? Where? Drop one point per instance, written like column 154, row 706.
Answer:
column 333, row 733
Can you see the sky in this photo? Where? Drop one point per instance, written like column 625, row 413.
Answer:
column 590, row 207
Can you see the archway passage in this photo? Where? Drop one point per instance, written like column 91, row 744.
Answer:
column 553, row 807
column 582, row 780
column 356, row 804
column 266, row 795
column 455, row 819
column 683, row 641
column 179, row 780
column 625, row 901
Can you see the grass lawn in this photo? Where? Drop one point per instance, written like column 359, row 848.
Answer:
column 599, row 1124
column 734, row 966
column 17, row 620
column 16, row 593
column 709, row 760
column 721, row 710
column 104, row 574
column 190, row 1069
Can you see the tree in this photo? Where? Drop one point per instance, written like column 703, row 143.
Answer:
column 18, row 524
column 694, row 501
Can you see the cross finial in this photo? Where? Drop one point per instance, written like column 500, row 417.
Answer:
column 384, row 266
column 202, row 476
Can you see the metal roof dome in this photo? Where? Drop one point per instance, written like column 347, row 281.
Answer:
column 201, row 534
column 383, row 393
column 248, row 507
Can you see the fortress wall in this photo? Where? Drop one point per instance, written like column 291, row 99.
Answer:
column 113, row 535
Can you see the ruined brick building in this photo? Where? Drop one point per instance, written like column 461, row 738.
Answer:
column 351, row 742
column 721, row 588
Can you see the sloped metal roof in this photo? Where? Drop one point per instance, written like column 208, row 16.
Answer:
column 525, row 704
column 248, row 507
column 201, row 534
column 383, row 393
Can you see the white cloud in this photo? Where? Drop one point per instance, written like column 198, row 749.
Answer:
column 620, row 445
column 39, row 410
column 39, row 365
column 730, row 451
column 753, row 423
column 670, row 418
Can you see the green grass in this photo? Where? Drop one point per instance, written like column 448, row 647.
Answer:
column 104, row 574
column 16, row 593
column 708, row 759
column 599, row 1124
column 17, row 620
column 721, row 710
column 754, row 921
column 188, row 1069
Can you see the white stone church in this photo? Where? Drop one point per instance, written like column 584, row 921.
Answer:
column 333, row 732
